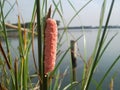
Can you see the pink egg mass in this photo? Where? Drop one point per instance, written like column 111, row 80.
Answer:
column 50, row 45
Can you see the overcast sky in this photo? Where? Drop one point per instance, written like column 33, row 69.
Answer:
column 88, row 16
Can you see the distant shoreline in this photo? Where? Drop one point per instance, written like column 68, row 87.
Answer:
column 27, row 25
column 88, row 27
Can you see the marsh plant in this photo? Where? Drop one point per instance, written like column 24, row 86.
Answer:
column 14, row 71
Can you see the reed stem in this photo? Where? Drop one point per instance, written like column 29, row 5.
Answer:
column 40, row 64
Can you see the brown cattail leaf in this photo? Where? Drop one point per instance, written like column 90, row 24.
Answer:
column 4, row 55
column 49, row 13
column 2, row 87
column 111, row 84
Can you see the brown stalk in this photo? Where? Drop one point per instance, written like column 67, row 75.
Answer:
column 16, row 27
column 4, row 55
column 33, row 26
column 49, row 12
column 2, row 87
column 111, row 84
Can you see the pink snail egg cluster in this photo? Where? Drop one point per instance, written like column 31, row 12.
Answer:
column 50, row 45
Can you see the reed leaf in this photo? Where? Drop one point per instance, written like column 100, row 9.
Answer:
column 11, row 8
column 59, row 63
column 5, row 57
column 105, row 47
column 20, row 38
column 108, row 71
column 5, row 31
column 100, row 27
column 56, row 81
column 60, row 14
column 71, row 85
column 78, row 12
column 100, row 46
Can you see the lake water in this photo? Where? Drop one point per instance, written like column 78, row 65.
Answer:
column 90, row 37
column 107, row 59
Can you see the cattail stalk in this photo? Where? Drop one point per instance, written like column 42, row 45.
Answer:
column 50, row 45
column 5, row 56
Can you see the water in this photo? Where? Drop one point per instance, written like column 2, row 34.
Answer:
column 89, row 38
column 107, row 59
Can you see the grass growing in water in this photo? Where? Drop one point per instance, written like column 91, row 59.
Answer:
column 17, row 76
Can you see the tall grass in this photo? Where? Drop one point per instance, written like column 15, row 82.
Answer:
column 15, row 73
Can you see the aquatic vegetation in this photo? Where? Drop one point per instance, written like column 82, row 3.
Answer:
column 15, row 72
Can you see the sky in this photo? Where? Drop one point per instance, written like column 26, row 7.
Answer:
column 90, row 15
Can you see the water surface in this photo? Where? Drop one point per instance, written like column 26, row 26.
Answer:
column 87, row 41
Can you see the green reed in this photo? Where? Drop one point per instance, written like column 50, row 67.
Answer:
column 17, row 76
column 8, row 54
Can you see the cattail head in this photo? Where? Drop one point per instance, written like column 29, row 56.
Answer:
column 50, row 45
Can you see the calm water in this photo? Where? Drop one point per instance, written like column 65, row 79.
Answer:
column 109, row 56
column 89, row 37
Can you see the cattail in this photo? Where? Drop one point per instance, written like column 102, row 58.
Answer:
column 50, row 45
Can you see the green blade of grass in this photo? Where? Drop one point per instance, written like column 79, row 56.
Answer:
column 5, row 32
column 71, row 85
column 100, row 27
column 97, row 43
column 108, row 71
column 56, row 81
column 56, row 9
column 62, row 58
column 12, row 6
column 78, row 12
column 108, row 43
column 20, row 38
column 100, row 45
column 61, row 16
column 7, row 43
column 61, row 7
column 72, row 6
